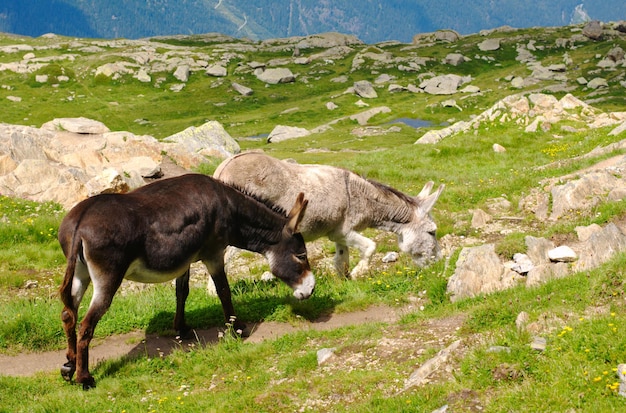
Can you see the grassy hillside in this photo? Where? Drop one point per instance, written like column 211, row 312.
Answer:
column 580, row 316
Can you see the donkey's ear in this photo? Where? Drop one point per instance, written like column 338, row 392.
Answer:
column 297, row 212
column 426, row 201
column 425, row 191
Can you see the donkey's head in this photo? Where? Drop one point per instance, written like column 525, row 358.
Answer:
column 418, row 238
column 288, row 258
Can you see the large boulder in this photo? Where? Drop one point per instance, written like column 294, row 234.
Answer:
column 276, row 75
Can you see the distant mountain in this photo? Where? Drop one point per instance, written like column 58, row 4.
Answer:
column 370, row 20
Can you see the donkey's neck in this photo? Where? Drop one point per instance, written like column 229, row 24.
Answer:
column 255, row 226
column 382, row 207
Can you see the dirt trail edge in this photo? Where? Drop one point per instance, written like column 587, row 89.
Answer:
column 151, row 345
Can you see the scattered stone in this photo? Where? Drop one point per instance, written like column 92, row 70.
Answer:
column 489, row 45
column 276, row 75
column 216, row 71
column 391, row 256
column 593, row 30
column 621, row 374
column 282, row 133
column 539, row 344
column 365, row 90
column 420, row 376
column 324, row 355
column 523, row 263
column 182, row 73
column 522, row 321
column 562, row 254
column 497, row 148
column 242, row 90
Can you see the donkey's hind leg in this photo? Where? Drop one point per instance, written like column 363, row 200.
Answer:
column 103, row 293
column 69, row 316
column 182, row 292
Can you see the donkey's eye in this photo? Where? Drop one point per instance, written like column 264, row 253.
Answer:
column 301, row 257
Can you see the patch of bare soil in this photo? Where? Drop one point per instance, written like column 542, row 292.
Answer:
column 138, row 343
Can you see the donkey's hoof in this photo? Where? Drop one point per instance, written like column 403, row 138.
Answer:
column 67, row 371
column 89, row 383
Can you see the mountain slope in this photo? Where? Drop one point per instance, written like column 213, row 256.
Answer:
column 370, row 20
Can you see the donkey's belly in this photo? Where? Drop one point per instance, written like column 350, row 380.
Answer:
column 137, row 271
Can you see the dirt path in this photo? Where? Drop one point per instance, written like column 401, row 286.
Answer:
column 138, row 343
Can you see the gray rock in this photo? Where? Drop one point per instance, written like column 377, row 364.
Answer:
column 593, row 30
column 454, row 59
column 276, row 75
column 597, row 83
column 443, row 85
column 562, row 254
column 282, row 133
column 489, row 45
column 76, row 125
column 182, row 73
column 325, row 354
column 216, row 71
column 210, row 139
column 478, row 271
column 365, row 90
column 242, row 90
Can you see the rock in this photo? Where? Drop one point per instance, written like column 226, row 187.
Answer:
column 454, row 59
column 182, row 73
column 497, row 148
column 621, row 374
column 600, row 247
column 242, row 90
column 365, row 90
column 597, row 83
column 593, row 30
column 391, row 256
column 276, row 75
column 216, row 71
column 331, row 106
column 364, row 117
column 282, row 133
column 420, row 376
column 489, row 45
column 562, row 254
column 478, row 271
column 443, row 85
column 143, row 76
column 539, row 344
column 522, row 263
column 324, row 355
column 210, row 139
column 480, row 218
column 522, row 321
column 76, row 125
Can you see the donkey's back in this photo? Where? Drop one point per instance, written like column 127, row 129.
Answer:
column 280, row 180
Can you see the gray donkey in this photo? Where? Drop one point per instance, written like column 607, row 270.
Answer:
column 341, row 204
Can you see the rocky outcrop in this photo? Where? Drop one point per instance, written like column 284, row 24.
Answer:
column 69, row 159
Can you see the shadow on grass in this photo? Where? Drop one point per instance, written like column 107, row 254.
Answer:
column 207, row 323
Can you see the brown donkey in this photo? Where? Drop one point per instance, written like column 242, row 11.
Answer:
column 153, row 234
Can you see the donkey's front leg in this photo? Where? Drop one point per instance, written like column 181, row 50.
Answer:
column 342, row 259
column 366, row 247
column 216, row 269
column 182, row 292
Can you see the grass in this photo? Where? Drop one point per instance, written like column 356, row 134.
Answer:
column 580, row 316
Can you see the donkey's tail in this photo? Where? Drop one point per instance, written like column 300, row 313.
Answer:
column 65, row 290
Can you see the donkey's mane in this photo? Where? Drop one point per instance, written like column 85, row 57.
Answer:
column 275, row 208
column 387, row 189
